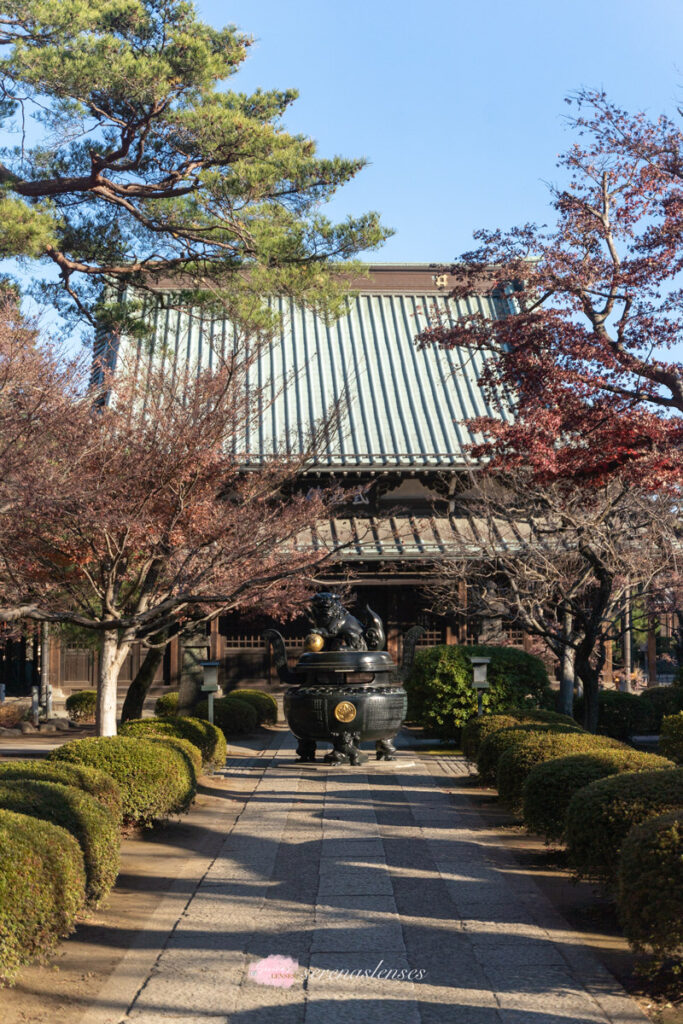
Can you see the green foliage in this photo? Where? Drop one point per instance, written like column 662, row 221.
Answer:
column 551, row 785
column 671, row 737
column 476, row 729
column 662, row 700
column 166, row 705
column 153, row 778
column 440, row 694
column 233, row 717
column 600, row 816
column 151, row 166
column 533, row 747
column 650, row 886
column 191, row 755
column 620, row 715
column 82, row 816
column 206, row 737
column 91, row 780
column 264, row 705
column 42, row 889
column 493, row 745
column 81, row 706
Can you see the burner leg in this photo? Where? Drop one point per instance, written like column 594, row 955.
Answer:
column 386, row 750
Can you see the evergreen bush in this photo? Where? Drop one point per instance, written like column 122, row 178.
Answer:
column 671, row 737
column 207, row 737
column 81, row 706
column 440, row 694
column 493, row 745
column 91, row 780
column 191, row 755
column 662, row 700
column 476, row 729
column 620, row 715
column 551, row 784
column 42, row 889
column 650, row 887
column 153, row 777
column 234, row 717
column 265, row 705
column 534, row 747
column 166, row 706
column 600, row 816
column 81, row 815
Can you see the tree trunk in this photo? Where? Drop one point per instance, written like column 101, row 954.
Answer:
column 138, row 689
column 626, row 683
column 112, row 657
column 567, row 680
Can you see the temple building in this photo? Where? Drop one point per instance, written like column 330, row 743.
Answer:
column 399, row 449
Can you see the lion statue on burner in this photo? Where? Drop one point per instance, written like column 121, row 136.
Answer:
column 342, row 630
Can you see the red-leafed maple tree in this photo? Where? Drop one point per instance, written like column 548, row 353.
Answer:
column 158, row 521
column 594, row 306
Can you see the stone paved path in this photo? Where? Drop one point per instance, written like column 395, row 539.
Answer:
column 370, row 870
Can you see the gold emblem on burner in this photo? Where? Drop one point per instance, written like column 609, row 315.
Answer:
column 345, row 711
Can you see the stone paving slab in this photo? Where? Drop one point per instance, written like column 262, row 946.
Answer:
column 388, row 899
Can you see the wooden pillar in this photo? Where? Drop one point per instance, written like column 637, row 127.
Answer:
column 607, row 673
column 651, row 652
column 526, row 642
column 462, row 600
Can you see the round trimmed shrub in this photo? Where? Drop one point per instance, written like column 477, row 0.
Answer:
column 42, row 889
column 601, row 815
column 91, row 780
column 477, row 729
column 264, row 705
column 551, row 784
column 191, row 754
column 650, row 886
column 81, row 706
column 207, row 737
column 153, row 777
column 671, row 737
column 82, row 816
column 495, row 743
column 234, row 717
column 527, row 751
column 166, row 705
column 439, row 687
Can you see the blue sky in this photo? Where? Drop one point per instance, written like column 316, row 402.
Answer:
column 458, row 106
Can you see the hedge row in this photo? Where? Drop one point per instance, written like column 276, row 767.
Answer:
column 39, row 902
column 91, row 780
column 622, row 715
column 671, row 737
column 208, row 738
column 263, row 704
column 81, row 706
column 154, row 777
column 477, row 729
column 619, row 810
column 234, row 717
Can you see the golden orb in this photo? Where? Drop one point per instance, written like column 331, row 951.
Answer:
column 314, row 642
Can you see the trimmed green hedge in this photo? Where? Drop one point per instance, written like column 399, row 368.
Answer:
column 81, row 707
column 166, row 706
column 42, row 889
column 671, row 737
column 191, row 755
column 439, row 687
column 493, row 745
column 92, row 781
column 233, row 717
column 206, row 737
column 662, row 700
column 518, row 758
column 476, row 729
column 264, row 705
column 81, row 815
column 601, row 815
column 551, row 785
column 153, row 777
column 650, row 886
column 620, row 715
